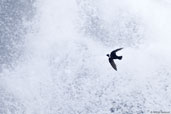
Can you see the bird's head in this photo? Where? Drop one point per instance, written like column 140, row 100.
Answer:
column 107, row 55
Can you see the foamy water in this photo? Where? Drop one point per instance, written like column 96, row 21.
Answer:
column 63, row 68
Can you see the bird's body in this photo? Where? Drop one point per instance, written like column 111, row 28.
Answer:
column 114, row 56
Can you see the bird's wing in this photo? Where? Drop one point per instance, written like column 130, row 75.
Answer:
column 112, row 63
column 114, row 51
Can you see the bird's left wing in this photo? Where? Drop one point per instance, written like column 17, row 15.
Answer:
column 112, row 63
column 114, row 51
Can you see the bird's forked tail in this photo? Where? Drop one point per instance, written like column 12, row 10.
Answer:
column 120, row 57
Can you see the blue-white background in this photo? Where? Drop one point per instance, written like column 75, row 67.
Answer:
column 53, row 56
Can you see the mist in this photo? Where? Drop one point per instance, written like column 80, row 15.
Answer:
column 57, row 63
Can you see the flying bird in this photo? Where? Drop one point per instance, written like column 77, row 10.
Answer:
column 113, row 56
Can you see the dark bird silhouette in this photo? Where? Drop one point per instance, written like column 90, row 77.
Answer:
column 114, row 56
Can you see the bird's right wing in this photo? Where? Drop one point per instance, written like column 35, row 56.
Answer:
column 112, row 63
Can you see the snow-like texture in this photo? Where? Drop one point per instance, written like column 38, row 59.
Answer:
column 12, row 31
column 53, row 56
